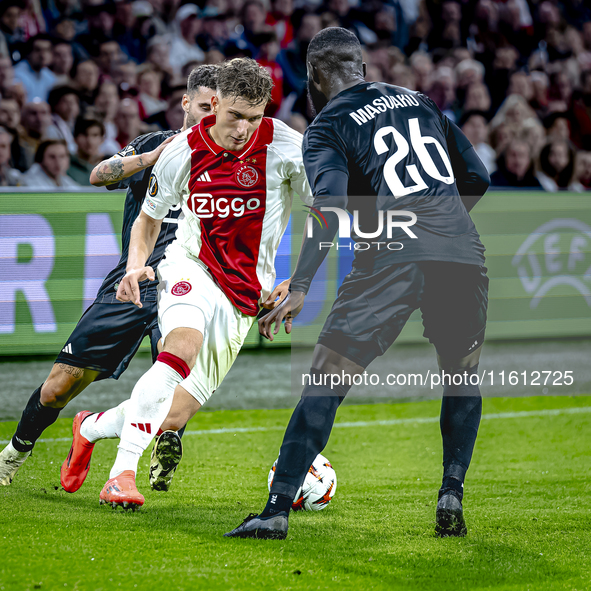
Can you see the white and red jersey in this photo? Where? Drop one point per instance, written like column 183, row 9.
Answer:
column 236, row 205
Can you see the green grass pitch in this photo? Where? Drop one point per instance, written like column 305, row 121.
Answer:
column 527, row 505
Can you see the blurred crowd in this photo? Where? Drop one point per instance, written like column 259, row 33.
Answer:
column 79, row 79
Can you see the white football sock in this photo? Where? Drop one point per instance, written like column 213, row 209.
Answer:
column 149, row 405
column 105, row 425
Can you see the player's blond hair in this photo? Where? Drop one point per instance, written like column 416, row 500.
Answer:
column 242, row 78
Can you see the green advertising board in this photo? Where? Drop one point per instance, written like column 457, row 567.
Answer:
column 55, row 249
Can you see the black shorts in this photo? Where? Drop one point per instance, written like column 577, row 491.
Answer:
column 109, row 335
column 372, row 307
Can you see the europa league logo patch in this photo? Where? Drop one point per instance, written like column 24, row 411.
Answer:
column 153, row 185
column 247, row 176
column 181, row 288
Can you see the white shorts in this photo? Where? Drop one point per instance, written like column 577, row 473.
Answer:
column 188, row 297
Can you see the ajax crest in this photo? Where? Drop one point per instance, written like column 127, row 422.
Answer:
column 247, row 176
column 181, row 288
column 555, row 254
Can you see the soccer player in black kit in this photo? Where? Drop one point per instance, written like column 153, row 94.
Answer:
column 375, row 148
column 110, row 332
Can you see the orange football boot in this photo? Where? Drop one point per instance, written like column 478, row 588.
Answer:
column 121, row 491
column 75, row 468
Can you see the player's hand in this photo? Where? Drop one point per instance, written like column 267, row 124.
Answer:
column 152, row 157
column 129, row 288
column 278, row 295
column 287, row 310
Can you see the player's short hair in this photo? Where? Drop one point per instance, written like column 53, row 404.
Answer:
column 335, row 49
column 206, row 76
column 243, row 78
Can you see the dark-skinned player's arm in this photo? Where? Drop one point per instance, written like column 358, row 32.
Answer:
column 472, row 179
column 326, row 166
column 141, row 245
column 119, row 167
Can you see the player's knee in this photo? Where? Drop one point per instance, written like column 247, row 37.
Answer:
column 184, row 343
column 56, row 394
column 459, row 364
column 64, row 382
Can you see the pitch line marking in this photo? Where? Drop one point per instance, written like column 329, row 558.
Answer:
column 408, row 421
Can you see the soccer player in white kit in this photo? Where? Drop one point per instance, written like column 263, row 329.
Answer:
column 234, row 175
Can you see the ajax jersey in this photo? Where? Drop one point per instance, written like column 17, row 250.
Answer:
column 236, row 205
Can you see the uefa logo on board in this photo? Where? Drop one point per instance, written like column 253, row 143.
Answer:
column 555, row 258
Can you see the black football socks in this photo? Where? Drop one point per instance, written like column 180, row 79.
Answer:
column 461, row 409
column 276, row 504
column 34, row 420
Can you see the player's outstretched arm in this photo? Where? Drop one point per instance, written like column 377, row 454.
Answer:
column 143, row 238
column 117, row 168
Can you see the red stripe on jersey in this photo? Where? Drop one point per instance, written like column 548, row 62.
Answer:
column 230, row 201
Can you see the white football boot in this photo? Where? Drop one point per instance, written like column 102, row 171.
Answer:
column 10, row 461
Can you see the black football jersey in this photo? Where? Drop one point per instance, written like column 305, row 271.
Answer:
column 137, row 186
column 400, row 153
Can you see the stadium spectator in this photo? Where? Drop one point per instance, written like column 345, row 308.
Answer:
column 106, row 107
column 558, row 125
column 89, row 135
column 172, row 116
column 520, row 83
column 253, row 23
column 534, row 133
column 33, row 72
column 293, row 59
column 268, row 52
column 468, row 72
column 6, row 74
column 9, row 177
column 149, row 84
column 86, row 79
column 183, row 46
column 52, row 161
column 583, row 170
column 474, row 126
column 109, row 54
column 515, row 167
column 100, row 19
column 477, row 98
column 514, row 111
column 279, row 19
column 10, row 118
column 557, row 166
column 62, row 62
column 128, row 122
column 443, row 90
column 401, row 75
column 158, row 54
column 582, row 113
column 35, row 121
column 422, row 68
column 65, row 108
column 12, row 35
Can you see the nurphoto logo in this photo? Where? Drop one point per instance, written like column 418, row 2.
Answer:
column 388, row 219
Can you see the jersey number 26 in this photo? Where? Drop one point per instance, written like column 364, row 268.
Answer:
column 419, row 143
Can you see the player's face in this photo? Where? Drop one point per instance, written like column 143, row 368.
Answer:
column 197, row 106
column 236, row 121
